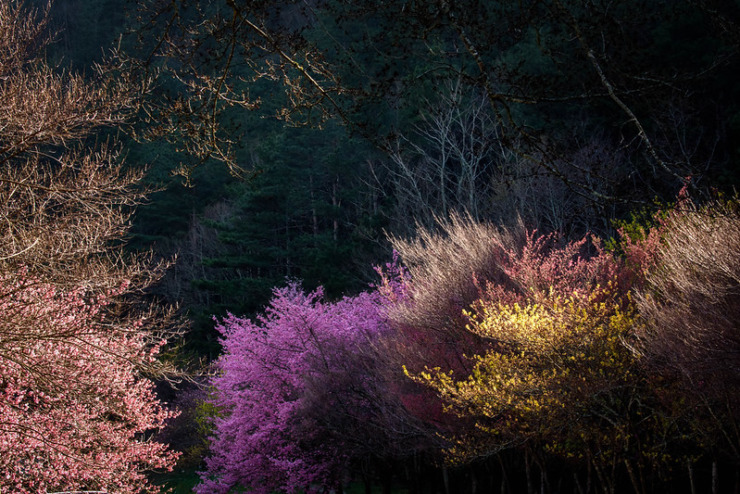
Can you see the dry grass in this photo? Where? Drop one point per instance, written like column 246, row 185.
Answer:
column 446, row 265
column 691, row 302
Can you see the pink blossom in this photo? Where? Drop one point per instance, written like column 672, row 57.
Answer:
column 74, row 413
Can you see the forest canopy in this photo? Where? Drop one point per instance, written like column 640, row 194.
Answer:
column 379, row 116
column 554, row 181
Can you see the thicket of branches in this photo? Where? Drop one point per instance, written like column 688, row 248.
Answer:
column 76, row 406
column 532, row 363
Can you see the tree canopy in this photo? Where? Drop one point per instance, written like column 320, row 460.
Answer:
column 77, row 350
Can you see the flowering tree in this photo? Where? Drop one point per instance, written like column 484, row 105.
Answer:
column 296, row 392
column 75, row 341
column 73, row 413
column 544, row 366
column 548, row 375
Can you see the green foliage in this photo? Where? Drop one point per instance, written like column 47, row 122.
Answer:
column 295, row 219
column 636, row 227
column 85, row 30
column 180, row 481
column 205, row 413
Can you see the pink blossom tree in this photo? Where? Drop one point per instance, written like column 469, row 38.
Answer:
column 73, row 412
column 76, row 342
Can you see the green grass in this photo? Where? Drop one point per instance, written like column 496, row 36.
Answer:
column 181, row 481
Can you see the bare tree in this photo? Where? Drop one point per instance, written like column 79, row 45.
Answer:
column 541, row 66
column 457, row 159
column 691, row 307
column 63, row 204
column 75, row 339
column 448, row 160
column 692, row 301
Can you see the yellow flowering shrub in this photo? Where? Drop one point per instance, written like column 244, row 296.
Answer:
column 554, row 370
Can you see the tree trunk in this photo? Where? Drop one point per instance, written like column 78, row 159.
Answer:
column 335, row 203
column 577, row 483
column 504, row 479
column 633, row 479
column 528, row 471
column 543, row 481
column 314, row 214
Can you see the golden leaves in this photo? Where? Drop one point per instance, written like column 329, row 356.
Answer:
column 547, row 361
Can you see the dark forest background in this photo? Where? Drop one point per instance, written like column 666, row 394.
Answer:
column 289, row 139
column 567, row 118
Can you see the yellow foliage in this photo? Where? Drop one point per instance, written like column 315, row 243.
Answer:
column 549, row 367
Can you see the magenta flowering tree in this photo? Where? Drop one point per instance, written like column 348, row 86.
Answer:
column 298, row 393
